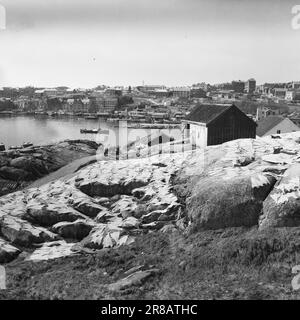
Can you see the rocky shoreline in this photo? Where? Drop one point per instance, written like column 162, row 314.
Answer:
column 242, row 193
column 19, row 168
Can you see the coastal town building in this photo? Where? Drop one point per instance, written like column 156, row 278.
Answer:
column 279, row 93
column 292, row 95
column 114, row 92
column 161, row 93
column 250, row 86
column 29, row 104
column 181, row 92
column 295, row 85
column 150, row 88
column 238, row 86
column 214, row 124
column 224, row 96
column 202, row 85
column 275, row 125
column 263, row 112
column 198, row 92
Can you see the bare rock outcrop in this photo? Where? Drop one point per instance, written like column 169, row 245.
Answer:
column 19, row 168
column 77, row 230
column 234, row 202
column 87, row 206
column 107, row 204
column 48, row 214
column 282, row 207
column 106, row 236
column 20, row 232
column 7, row 252
column 53, row 250
column 135, row 279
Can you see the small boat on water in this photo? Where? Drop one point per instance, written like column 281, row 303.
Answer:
column 94, row 131
column 27, row 144
column 14, row 148
column 91, row 117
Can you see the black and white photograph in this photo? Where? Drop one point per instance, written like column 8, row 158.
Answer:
column 149, row 151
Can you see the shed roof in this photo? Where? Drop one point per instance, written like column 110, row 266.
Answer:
column 207, row 113
column 267, row 124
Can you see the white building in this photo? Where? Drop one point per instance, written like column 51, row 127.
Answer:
column 181, row 92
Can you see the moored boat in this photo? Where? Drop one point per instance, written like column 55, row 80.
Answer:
column 27, row 144
column 91, row 117
column 15, row 147
column 94, row 131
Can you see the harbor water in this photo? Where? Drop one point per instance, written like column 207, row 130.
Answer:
column 14, row 131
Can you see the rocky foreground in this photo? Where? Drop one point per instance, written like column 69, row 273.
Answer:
column 19, row 168
column 215, row 223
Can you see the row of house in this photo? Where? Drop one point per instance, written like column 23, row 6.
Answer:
column 281, row 91
column 175, row 92
column 69, row 103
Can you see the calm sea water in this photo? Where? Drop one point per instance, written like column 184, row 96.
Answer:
column 14, row 131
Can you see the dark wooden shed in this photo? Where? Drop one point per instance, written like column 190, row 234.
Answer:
column 216, row 124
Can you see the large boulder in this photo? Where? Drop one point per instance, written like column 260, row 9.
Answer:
column 282, row 206
column 134, row 279
column 30, row 164
column 73, row 230
column 87, row 206
column 106, row 236
column 232, row 202
column 7, row 252
column 14, row 174
column 49, row 214
column 20, row 232
column 102, row 237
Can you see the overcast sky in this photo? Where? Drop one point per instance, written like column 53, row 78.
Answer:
column 84, row 43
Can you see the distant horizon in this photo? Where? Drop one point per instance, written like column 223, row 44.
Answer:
column 145, row 84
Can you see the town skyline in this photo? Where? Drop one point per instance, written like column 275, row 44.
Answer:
column 116, row 85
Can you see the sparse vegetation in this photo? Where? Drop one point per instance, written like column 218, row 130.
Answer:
column 235, row 263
